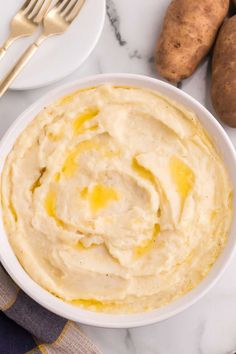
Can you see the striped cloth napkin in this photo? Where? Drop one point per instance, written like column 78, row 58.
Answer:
column 35, row 330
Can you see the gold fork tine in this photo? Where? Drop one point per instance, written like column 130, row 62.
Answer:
column 69, row 8
column 55, row 22
column 22, row 25
column 65, row 6
column 41, row 11
column 75, row 11
column 68, row 4
column 59, row 4
column 25, row 5
column 31, row 8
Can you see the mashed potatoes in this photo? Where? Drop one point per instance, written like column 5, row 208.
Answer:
column 115, row 199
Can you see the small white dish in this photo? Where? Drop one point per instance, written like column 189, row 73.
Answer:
column 58, row 56
column 49, row 301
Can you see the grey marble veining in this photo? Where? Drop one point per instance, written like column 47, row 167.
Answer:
column 128, row 45
column 114, row 19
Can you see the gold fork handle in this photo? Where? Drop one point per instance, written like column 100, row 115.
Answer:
column 12, row 74
column 6, row 45
column 2, row 52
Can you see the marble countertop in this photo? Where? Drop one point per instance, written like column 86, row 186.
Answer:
column 127, row 45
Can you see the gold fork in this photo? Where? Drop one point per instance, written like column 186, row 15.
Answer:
column 26, row 21
column 55, row 22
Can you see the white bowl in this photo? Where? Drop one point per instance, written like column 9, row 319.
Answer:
column 63, row 309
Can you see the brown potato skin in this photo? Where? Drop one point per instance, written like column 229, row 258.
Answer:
column 188, row 32
column 223, row 85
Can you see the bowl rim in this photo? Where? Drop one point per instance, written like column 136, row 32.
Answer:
column 99, row 319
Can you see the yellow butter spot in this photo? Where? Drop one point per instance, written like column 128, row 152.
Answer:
column 70, row 97
column 84, row 193
column 50, row 203
column 101, row 196
column 13, row 211
column 93, row 127
column 123, row 87
column 143, row 172
column 91, row 303
column 55, row 137
column 147, row 245
column 80, row 246
column 214, row 214
column 71, row 164
column 67, row 99
column 230, row 200
column 78, row 123
column 183, row 178
column 50, row 206
column 57, row 177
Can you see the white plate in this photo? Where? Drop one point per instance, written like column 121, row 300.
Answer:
column 57, row 57
column 54, row 304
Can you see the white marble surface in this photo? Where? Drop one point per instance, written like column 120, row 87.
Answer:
column 127, row 45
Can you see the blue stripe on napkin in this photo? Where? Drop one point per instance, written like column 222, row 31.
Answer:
column 13, row 338
column 45, row 325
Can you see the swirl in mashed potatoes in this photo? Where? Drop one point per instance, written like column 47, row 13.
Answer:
column 115, row 199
